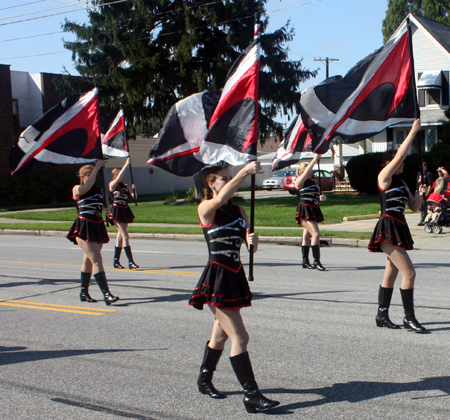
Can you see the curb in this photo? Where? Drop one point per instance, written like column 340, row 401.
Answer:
column 278, row 240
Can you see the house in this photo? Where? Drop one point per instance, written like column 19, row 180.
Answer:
column 24, row 98
column 431, row 50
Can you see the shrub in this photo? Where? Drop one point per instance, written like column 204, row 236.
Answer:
column 362, row 172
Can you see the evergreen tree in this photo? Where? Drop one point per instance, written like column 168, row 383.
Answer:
column 148, row 54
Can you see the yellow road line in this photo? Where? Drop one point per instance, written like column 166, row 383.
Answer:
column 50, row 309
column 56, row 305
column 178, row 273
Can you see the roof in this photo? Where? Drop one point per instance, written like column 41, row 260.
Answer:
column 439, row 31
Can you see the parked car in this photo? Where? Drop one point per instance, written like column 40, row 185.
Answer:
column 277, row 180
column 326, row 181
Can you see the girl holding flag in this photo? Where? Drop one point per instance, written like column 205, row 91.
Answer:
column 122, row 214
column 89, row 231
column 392, row 235
column 223, row 285
column 308, row 212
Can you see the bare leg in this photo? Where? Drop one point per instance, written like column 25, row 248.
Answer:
column 123, row 238
column 230, row 321
column 313, row 230
column 306, row 239
column 218, row 337
column 398, row 260
column 92, row 251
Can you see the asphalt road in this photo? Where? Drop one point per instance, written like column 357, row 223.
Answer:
column 314, row 344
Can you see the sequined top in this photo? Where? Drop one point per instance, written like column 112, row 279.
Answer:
column 90, row 205
column 224, row 237
column 393, row 200
column 121, row 200
column 309, row 194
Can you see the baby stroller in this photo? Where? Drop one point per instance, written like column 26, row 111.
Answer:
column 438, row 213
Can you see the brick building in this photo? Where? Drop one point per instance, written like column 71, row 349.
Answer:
column 24, row 98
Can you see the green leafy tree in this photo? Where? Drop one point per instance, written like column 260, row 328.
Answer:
column 436, row 10
column 148, row 54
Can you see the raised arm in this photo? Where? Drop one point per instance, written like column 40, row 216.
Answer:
column 79, row 190
column 113, row 184
column 207, row 208
column 385, row 176
column 300, row 180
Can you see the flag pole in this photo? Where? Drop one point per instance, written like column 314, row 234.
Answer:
column 256, row 35
column 320, row 182
column 419, row 140
column 133, row 186
column 105, row 196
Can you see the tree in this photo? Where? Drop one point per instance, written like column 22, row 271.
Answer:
column 148, row 54
column 436, row 10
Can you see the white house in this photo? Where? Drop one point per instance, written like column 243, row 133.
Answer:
column 431, row 50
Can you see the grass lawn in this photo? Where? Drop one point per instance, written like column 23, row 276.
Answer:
column 274, row 212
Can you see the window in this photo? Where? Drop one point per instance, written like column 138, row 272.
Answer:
column 429, row 97
column 430, row 138
column 399, row 136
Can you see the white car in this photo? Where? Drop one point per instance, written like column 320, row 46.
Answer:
column 277, row 180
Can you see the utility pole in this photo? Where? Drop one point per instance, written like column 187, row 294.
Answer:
column 339, row 159
column 327, row 63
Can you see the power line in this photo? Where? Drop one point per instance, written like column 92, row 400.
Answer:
column 24, row 4
column 61, row 13
column 44, row 10
column 31, row 36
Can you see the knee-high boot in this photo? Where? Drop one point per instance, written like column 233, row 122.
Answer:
column 210, row 359
column 103, row 284
column 410, row 322
column 117, row 252
column 384, row 302
column 131, row 263
column 253, row 399
column 316, row 255
column 84, row 293
column 305, row 256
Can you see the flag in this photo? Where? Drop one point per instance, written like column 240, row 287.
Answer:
column 67, row 134
column 232, row 134
column 376, row 93
column 183, row 131
column 296, row 143
column 114, row 135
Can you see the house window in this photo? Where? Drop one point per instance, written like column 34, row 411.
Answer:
column 15, row 109
column 399, row 136
column 430, row 97
column 430, row 139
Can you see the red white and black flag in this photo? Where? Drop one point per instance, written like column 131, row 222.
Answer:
column 376, row 93
column 114, row 135
column 67, row 134
column 297, row 142
column 233, row 129
column 183, row 131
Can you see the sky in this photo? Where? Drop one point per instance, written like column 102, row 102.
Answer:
column 344, row 30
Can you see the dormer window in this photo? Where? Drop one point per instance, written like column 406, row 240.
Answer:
column 432, row 88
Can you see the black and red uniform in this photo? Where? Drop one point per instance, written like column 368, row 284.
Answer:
column 89, row 225
column 308, row 203
column 392, row 226
column 223, row 282
column 121, row 210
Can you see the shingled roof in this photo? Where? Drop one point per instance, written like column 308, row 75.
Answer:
column 439, row 31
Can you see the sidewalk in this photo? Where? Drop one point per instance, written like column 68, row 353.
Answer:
column 422, row 240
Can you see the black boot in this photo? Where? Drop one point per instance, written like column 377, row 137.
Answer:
column 117, row 252
column 253, row 399
column 410, row 322
column 305, row 256
column 316, row 255
column 131, row 263
column 384, row 302
column 102, row 283
column 210, row 359
column 84, row 293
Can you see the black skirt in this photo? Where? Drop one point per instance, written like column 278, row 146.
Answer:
column 122, row 214
column 221, row 287
column 391, row 231
column 308, row 213
column 88, row 231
